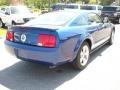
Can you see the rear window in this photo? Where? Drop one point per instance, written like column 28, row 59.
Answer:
column 54, row 18
column 88, row 7
column 109, row 8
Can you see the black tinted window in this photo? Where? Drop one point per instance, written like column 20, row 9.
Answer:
column 88, row 7
column 109, row 8
column 72, row 6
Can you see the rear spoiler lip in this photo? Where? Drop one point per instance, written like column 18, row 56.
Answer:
column 29, row 27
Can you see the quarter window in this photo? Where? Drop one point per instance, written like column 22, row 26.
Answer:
column 94, row 18
column 81, row 20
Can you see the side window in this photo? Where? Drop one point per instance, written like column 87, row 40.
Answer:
column 7, row 11
column 3, row 9
column 94, row 18
column 14, row 10
column 81, row 20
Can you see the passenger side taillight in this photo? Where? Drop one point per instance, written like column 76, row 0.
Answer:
column 46, row 40
column 9, row 36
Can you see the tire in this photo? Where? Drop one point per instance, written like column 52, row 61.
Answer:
column 13, row 23
column 1, row 23
column 111, row 40
column 82, row 58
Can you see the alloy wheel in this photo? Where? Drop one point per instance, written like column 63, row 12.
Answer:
column 84, row 55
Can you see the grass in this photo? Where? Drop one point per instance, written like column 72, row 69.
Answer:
column 2, row 32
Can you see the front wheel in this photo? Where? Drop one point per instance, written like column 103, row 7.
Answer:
column 1, row 23
column 13, row 23
column 111, row 40
column 82, row 58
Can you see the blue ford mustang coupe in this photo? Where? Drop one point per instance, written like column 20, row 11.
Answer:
column 58, row 37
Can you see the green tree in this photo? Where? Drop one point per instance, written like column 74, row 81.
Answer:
column 106, row 2
column 4, row 2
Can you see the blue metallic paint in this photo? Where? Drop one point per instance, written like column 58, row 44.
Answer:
column 69, row 40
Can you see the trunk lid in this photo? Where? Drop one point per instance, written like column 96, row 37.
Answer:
column 29, row 35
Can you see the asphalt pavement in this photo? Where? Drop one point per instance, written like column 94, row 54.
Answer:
column 102, row 73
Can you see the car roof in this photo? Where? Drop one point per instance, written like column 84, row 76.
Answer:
column 111, row 6
column 76, row 11
column 91, row 5
column 73, row 4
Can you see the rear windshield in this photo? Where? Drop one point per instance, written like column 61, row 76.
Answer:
column 109, row 8
column 54, row 18
column 88, row 7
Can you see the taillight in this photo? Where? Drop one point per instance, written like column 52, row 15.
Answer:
column 47, row 40
column 9, row 36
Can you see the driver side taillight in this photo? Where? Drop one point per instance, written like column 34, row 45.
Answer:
column 9, row 36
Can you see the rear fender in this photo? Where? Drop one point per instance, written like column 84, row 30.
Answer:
column 82, row 39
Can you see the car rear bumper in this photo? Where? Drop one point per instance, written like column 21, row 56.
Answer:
column 48, row 56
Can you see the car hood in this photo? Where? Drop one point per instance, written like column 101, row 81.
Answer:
column 24, row 15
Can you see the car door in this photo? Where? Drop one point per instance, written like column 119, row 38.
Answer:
column 95, row 26
column 103, row 30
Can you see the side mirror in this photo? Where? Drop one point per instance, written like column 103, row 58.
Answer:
column 105, row 20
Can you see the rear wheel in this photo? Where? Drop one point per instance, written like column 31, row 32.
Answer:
column 82, row 58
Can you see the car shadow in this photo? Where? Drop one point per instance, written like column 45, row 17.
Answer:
column 31, row 76
column 98, row 53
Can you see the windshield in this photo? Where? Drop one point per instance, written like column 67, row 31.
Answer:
column 88, row 7
column 54, row 18
column 109, row 8
column 19, row 10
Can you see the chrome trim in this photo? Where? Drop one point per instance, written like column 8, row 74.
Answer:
column 99, row 43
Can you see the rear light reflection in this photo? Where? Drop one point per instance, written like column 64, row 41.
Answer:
column 47, row 40
column 9, row 36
